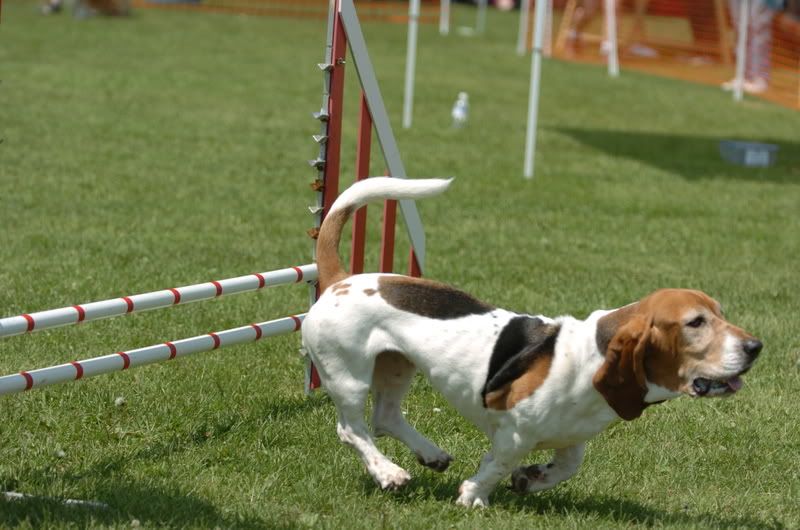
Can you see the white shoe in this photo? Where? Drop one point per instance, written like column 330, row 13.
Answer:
column 641, row 50
column 756, row 86
column 729, row 86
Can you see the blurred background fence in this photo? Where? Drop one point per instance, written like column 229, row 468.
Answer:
column 693, row 40
column 381, row 10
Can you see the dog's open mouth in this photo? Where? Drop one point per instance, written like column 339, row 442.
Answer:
column 716, row 387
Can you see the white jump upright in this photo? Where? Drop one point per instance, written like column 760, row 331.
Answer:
column 524, row 22
column 611, row 37
column 524, row 37
column 741, row 49
column 444, row 17
column 480, row 21
column 411, row 63
column 533, row 93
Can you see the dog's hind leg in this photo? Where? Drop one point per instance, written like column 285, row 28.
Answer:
column 539, row 477
column 391, row 380
column 349, row 393
column 508, row 450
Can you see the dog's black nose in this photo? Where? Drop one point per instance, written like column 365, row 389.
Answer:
column 752, row 347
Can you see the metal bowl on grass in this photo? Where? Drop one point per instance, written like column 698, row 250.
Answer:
column 751, row 154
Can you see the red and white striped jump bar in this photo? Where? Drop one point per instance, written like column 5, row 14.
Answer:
column 155, row 300
column 123, row 360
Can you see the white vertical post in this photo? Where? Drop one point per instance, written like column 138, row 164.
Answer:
column 524, row 22
column 533, row 94
column 548, row 32
column 741, row 49
column 480, row 24
column 611, row 37
column 444, row 17
column 411, row 62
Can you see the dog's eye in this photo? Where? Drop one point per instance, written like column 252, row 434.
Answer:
column 697, row 322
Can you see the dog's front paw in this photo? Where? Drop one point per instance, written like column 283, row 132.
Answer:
column 391, row 477
column 470, row 497
column 439, row 463
column 530, row 478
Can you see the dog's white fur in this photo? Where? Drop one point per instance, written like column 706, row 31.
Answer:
column 361, row 343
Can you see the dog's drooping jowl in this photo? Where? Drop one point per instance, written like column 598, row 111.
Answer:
column 527, row 381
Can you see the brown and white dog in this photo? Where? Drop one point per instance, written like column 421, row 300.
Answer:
column 528, row 382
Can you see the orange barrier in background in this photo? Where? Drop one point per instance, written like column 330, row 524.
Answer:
column 378, row 10
column 694, row 40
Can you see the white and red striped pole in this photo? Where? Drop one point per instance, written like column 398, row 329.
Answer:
column 123, row 360
column 76, row 314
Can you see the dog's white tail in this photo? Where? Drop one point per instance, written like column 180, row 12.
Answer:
column 373, row 189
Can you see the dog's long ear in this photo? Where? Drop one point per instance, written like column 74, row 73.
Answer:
column 621, row 379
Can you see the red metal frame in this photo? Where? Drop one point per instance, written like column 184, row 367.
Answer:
column 413, row 265
column 362, row 171
column 335, row 111
column 331, row 171
column 387, row 236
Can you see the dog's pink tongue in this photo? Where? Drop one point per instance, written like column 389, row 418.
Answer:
column 735, row 383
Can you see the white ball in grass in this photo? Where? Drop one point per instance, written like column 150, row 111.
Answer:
column 120, row 402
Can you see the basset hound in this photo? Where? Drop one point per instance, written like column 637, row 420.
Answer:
column 527, row 381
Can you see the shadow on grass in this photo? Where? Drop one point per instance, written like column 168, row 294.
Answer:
column 628, row 512
column 276, row 410
column 149, row 503
column 127, row 502
column 619, row 511
column 691, row 157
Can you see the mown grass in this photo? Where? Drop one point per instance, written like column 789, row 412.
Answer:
column 170, row 149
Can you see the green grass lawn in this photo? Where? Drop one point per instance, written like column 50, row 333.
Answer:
column 170, row 148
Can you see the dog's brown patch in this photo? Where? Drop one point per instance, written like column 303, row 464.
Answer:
column 392, row 369
column 525, row 385
column 428, row 298
column 340, row 289
column 520, row 362
column 370, row 292
column 608, row 325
